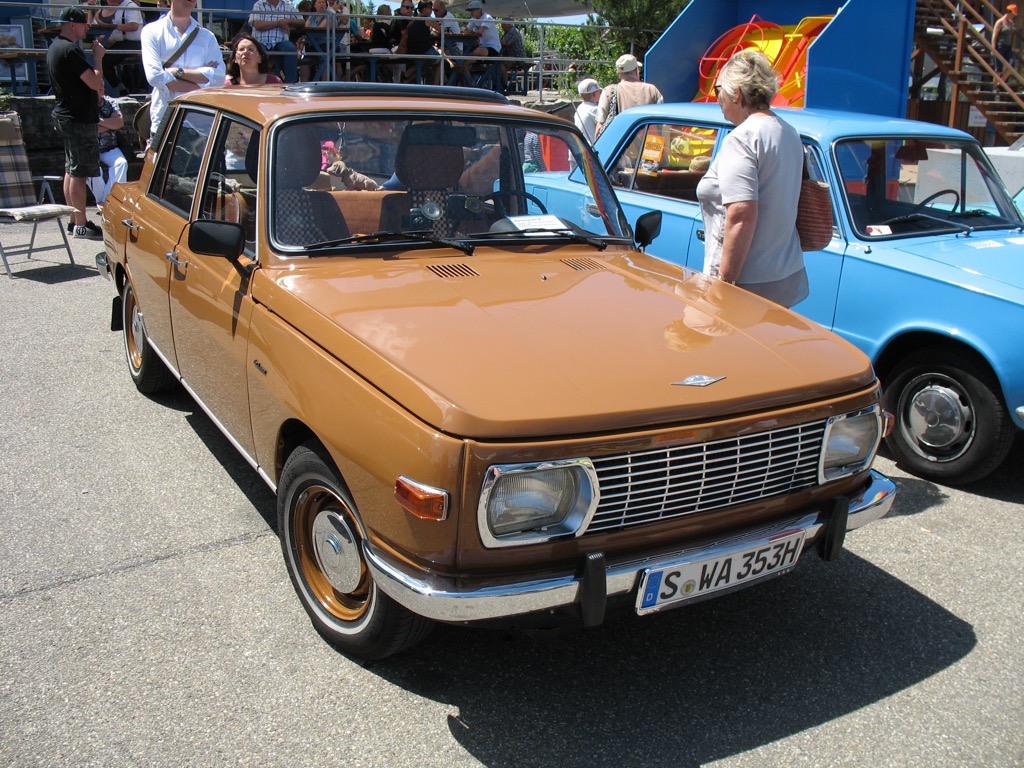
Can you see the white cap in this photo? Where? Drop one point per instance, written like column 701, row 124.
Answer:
column 588, row 85
column 475, row 5
column 627, row 63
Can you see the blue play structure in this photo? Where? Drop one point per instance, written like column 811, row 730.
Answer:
column 860, row 62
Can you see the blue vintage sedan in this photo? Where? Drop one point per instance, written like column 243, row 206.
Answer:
column 925, row 271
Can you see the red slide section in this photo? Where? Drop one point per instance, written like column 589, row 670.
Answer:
column 785, row 47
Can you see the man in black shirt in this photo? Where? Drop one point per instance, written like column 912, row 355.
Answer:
column 78, row 86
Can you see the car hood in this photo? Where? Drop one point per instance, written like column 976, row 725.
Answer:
column 521, row 344
column 996, row 256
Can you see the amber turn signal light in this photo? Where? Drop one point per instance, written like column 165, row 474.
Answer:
column 419, row 500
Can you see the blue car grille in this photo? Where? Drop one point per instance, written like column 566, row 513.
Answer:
column 664, row 483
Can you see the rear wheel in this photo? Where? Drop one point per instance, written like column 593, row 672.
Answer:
column 322, row 542
column 147, row 370
column 951, row 424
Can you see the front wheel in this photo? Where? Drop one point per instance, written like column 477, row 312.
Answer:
column 951, row 424
column 322, row 541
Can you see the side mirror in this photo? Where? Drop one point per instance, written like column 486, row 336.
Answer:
column 647, row 228
column 217, row 238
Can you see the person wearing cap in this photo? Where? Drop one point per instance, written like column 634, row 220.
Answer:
column 483, row 27
column 200, row 65
column 1003, row 32
column 78, row 87
column 630, row 91
column 586, row 113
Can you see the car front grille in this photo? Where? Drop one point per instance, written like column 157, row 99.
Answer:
column 664, row 483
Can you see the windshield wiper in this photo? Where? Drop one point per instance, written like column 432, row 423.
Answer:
column 417, row 235
column 916, row 216
column 573, row 235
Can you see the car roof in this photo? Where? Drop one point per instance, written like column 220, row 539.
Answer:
column 264, row 104
column 825, row 125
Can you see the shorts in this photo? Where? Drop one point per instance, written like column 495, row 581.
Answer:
column 81, row 148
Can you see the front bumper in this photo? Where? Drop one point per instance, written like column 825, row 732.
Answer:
column 450, row 600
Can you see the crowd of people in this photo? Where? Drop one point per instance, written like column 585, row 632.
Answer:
column 422, row 42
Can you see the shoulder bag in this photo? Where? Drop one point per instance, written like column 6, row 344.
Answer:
column 613, row 110
column 813, row 212
column 142, row 123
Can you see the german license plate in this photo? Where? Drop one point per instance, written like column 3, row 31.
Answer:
column 771, row 556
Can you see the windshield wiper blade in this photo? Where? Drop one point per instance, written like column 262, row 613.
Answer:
column 417, row 235
column 915, row 216
column 573, row 235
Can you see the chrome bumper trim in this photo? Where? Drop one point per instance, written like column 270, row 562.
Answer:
column 103, row 265
column 452, row 600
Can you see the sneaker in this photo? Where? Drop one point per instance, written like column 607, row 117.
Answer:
column 71, row 228
column 89, row 230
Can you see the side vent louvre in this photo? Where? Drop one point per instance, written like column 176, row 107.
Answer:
column 453, row 270
column 583, row 265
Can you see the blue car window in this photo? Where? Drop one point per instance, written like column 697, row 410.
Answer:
column 666, row 159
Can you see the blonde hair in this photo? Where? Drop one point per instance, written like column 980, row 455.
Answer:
column 751, row 73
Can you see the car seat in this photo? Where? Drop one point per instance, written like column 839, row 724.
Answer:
column 428, row 165
column 302, row 216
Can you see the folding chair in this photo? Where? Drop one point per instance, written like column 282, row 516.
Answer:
column 17, row 199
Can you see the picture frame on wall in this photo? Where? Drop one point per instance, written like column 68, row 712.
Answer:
column 12, row 36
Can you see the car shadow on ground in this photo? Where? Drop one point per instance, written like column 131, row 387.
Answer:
column 693, row 685
column 682, row 688
column 1005, row 484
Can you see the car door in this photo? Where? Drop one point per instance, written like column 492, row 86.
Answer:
column 210, row 303
column 158, row 221
column 658, row 168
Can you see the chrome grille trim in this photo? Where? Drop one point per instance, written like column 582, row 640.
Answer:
column 665, row 483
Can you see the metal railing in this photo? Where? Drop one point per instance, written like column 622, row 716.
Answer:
column 546, row 71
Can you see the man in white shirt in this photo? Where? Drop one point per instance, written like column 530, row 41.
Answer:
column 586, row 113
column 272, row 22
column 445, row 19
column 483, row 27
column 201, row 65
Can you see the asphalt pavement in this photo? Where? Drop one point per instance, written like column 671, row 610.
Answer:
column 146, row 618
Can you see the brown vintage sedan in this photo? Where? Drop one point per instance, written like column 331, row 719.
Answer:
column 470, row 409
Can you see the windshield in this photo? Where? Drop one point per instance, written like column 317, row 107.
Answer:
column 367, row 184
column 905, row 187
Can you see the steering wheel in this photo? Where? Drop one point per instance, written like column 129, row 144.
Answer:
column 499, row 208
column 940, row 193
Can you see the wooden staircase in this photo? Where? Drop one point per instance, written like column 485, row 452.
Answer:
column 956, row 37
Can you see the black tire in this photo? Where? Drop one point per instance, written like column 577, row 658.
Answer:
column 146, row 368
column 317, row 520
column 951, row 424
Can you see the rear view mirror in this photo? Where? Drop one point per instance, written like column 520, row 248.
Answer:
column 647, row 228
column 217, row 238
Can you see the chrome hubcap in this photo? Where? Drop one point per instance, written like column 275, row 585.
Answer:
column 337, row 551
column 938, row 419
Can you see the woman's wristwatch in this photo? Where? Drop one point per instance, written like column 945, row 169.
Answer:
column 179, row 73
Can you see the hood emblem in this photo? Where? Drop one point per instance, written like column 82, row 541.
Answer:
column 699, row 380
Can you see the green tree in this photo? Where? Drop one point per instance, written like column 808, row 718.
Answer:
column 641, row 22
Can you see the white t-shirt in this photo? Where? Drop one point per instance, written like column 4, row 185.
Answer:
column 586, row 119
column 490, row 37
column 761, row 160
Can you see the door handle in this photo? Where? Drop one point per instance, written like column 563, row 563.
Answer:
column 131, row 225
column 173, row 258
column 700, row 235
column 593, row 210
